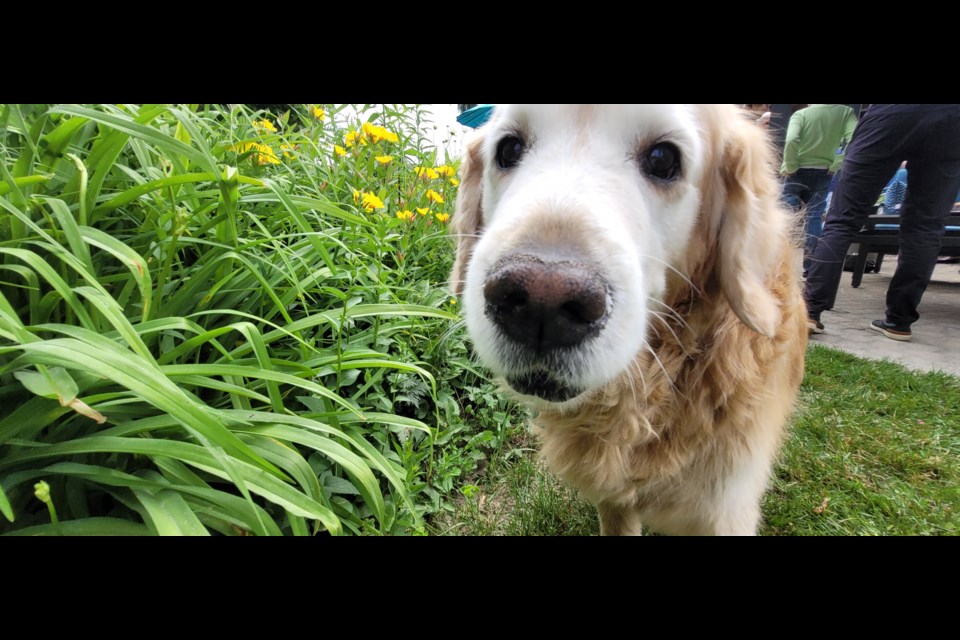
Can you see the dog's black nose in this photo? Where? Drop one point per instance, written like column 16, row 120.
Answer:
column 545, row 305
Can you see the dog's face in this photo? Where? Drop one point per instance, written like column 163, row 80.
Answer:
column 572, row 219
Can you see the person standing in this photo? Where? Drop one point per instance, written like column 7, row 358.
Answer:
column 813, row 151
column 927, row 136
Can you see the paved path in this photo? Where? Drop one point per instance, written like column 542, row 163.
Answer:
column 936, row 336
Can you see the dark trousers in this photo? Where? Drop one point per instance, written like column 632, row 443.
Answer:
column 928, row 138
column 808, row 187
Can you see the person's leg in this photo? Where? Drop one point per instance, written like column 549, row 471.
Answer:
column 795, row 192
column 872, row 158
column 932, row 182
column 819, row 184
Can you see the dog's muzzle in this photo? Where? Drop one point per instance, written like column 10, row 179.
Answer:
column 545, row 308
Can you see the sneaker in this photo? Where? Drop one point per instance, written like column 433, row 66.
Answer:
column 892, row 331
column 814, row 325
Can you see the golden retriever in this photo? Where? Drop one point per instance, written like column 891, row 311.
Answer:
column 628, row 272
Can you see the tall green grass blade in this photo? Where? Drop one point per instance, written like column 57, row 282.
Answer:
column 82, row 196
column 130, row 259
column 52, row 278
column 229, row 507
column 128, row 125
column 32, row 285
column 25, row 181
column 168, row 514
column 100, row 356
column 30, row 418
column 55, row 142
column 302, row 224
column 5, row 507
column 175, row 370
column 260, row 482
column 85, row 527
column 363, row 479
column 71, row 230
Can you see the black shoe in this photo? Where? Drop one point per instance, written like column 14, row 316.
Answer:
column 892, row 331
column 814, row 325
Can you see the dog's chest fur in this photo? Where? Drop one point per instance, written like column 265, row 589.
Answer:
column 670, row 433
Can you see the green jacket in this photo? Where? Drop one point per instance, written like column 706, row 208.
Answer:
column 814, row 135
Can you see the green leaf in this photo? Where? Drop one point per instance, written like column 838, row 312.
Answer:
column 39, row 265
column 25, row 181
column 30, row 418
column 351, row 463
column 201, row 497
column 169, row 514
column 127, row 125
column 69, row 226
column 257, row 479
column 333, row 484
column 175, row 370
column 85, row 527
column 130, row 258
column 56, row 141
column 54, row 383
column 5, row 507
column 103, row 357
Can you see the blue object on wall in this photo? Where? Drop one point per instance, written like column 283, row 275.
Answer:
column 475, row 116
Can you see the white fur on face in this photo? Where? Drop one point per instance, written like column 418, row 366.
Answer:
column 579, row 194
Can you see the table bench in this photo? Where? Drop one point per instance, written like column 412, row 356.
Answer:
column 881, row 235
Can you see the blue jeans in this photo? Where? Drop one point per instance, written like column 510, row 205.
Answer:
column 808, row 187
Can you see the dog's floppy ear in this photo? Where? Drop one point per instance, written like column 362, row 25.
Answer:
column 468, row 216
column 752, row 226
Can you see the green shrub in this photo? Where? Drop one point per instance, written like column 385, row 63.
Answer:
column 215, row 322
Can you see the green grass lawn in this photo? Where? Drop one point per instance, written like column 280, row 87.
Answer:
column 874, row 450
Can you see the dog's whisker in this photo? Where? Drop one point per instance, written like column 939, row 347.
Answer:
column 682, row 275
column 659, row 316
column 666, row 375
column 668, row 309
column 633, row 386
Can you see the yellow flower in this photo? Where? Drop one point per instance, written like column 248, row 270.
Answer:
column 319, row 114
column 351, row 138
column 454, row 182
column 265, row 125
column 453, row 301
column 288, row 149
column 264, row 154
column 433, row 196
column 377, row 133
column 371, row 202
column 340, row 151
column 445, row 170
column 423, row 211
column 356, row 196
column 384, row 159
column 405, row 215
column 426, row 171
column 442, row 217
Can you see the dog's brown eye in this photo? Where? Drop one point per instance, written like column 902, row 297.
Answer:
column 509, row 151
column 662, row 161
